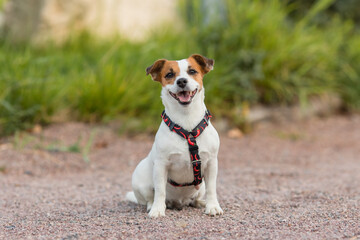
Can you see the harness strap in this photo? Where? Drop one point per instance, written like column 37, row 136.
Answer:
column 193, row 147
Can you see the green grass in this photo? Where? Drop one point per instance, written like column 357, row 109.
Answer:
column 2, row 2
column 261, row 56
column 28, row 93
column 88, row 79
column 266, row 57
column 348, row 85
column 22, row 140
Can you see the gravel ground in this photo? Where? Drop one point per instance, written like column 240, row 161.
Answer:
column 288, row 181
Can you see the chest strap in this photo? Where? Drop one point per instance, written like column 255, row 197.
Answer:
column 190, row 137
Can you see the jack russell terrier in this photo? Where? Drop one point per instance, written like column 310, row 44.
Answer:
column 186, row 144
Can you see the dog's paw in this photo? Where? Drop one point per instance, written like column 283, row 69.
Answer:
column 157, row 212
column 213, row 209
column 198, row 204
column 149, row 206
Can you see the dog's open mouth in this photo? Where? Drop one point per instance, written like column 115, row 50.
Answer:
column 184, row 97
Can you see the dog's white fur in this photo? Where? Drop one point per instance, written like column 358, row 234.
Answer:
column 169, row 157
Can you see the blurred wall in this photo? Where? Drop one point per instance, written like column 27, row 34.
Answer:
column 39, row 20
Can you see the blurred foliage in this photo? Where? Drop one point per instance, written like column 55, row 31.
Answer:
column 266, row 52
column 346, row 9
column 2, row 2
column 88, row 79
column 349, row 74
column 267, row 57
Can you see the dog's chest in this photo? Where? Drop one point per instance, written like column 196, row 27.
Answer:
column 180, row 157
column 176, row 151
column 180, row 167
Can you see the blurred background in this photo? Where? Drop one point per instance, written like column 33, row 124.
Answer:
column 85, row 60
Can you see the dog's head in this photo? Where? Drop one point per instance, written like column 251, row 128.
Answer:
column 182, row 79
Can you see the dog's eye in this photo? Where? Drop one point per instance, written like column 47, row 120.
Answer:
column 192, row 71
column 169, row 75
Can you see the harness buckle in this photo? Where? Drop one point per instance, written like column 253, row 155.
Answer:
column 207, row 121
column 196, row 162
column 208, row 113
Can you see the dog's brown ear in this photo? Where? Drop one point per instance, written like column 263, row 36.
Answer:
column 205, row 63
column 155, row 69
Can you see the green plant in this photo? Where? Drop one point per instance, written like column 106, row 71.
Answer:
column 347, row 9
column 264, row 56
column 349, row 65
column 90, row 79
column 86, row 150
column 21, row 140
column 31, row 87
column 74, row 148
column 2, row 3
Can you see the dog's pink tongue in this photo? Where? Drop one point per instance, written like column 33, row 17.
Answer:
column 184, row 96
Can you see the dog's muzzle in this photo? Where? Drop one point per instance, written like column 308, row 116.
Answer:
column 184, row 97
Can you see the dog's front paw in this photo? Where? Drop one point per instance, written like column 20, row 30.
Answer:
column 213, row 209
column 157, row 211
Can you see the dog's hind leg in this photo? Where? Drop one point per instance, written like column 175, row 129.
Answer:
column 143, row 191
column 130, row 196
column 142, row 183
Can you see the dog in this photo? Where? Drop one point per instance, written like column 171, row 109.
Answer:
column 170, row 176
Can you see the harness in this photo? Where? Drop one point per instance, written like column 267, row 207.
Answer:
column 193, row 147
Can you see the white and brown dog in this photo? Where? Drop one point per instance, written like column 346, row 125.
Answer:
column 166, row 176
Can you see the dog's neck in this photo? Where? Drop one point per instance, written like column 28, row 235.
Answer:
column 188, row 117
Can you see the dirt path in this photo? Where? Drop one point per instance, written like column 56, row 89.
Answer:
column 282, row 182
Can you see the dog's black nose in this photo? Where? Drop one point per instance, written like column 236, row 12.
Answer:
column 182, row 82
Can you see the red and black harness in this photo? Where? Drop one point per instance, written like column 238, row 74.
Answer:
column 193, row 147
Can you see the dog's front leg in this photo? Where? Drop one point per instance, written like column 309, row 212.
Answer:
column 212, row 205
column 160, row 177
